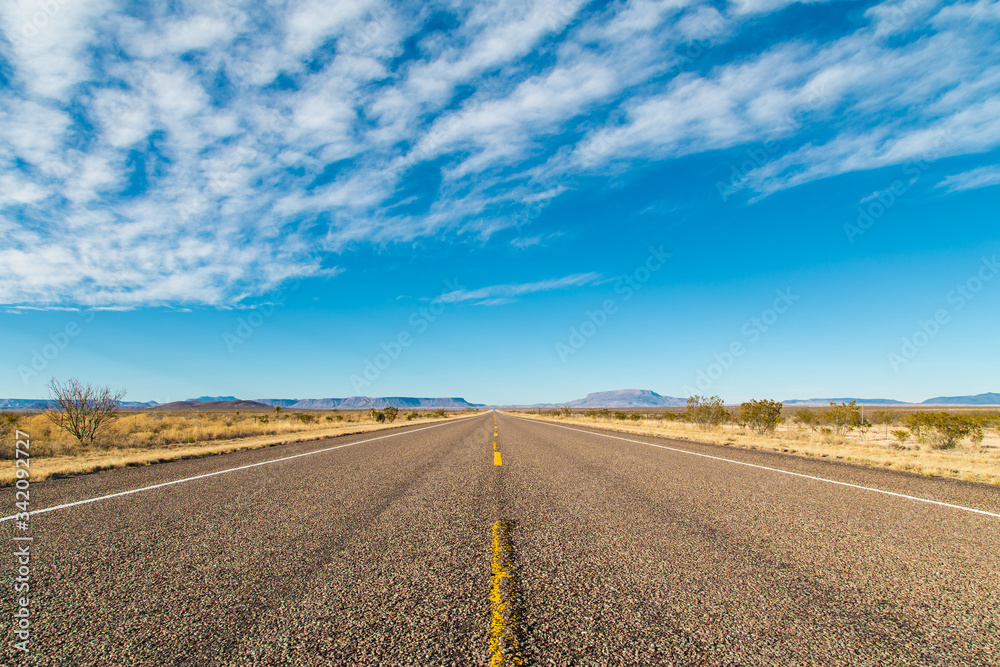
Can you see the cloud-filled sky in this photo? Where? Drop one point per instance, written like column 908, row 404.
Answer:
column 487, row 179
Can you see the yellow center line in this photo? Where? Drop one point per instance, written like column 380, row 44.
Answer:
column 496, row 459
column 504, row 649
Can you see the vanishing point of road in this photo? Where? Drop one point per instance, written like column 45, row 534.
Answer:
column 496, row 540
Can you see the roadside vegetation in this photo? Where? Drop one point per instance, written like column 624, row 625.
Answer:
column 963, row 443
column 86, row 430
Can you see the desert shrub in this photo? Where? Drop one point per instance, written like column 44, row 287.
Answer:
column 8, row 425
column 376, row 415
column 440, row 412
column 761, row 416
column 410, row 416
column 919, row 423
column 590, row 413
column 808, row 417
column 886, row 418
column 901, row 435
column 604, row 412
column 948, row 429
column 845, row 416
column 620, row 415
column 705, row 411
column 391, row 413
column 635, row 416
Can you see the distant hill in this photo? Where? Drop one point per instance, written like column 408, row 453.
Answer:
column 42, row 403
column 281, row 402
column 206, row 399
column 827, row 401
column 979, row 399
column 625, row 398
column 211, row 406
column 364, row 402
column 352, row 403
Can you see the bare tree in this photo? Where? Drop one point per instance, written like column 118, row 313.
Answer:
column 82, row 409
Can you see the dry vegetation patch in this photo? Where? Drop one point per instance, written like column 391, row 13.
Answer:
column 141, row 438
column 890, row 445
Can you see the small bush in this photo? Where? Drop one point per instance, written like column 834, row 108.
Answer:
column 377, row 415
column 947, row 429
column 620, row 415
column 391, row 413
column 635, row 416
column 762, row 416
column 410, row 416
column 706, row 411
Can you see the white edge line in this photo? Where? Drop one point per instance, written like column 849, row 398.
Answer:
column 760, row 467
column 223, row 472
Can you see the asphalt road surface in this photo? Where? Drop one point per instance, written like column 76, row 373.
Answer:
column 555, row 546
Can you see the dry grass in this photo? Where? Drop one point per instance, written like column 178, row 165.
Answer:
column 968, row 461
column 145, row 438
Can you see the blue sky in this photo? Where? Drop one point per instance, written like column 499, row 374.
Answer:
column 508, row 201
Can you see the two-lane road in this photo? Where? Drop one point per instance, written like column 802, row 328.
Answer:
column 386, row 552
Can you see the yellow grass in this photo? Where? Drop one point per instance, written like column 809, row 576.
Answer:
column 972, row 462
column 144, row 438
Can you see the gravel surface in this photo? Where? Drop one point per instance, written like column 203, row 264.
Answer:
column 380, row 553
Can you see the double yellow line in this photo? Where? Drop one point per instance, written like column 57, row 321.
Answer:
column 504, row 648
column 497, row 460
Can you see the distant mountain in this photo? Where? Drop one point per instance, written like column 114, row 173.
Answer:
column 827, row 401
column 210, row 406
column 979, row 399
column 626, row 398
column 281, row 402
column 206, row 399
column 41, row 403
column 364, row 402
column 352, row 403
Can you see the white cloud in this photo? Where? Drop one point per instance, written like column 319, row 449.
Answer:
column 493, row 294
column 764, row 6
column 253, row 156
column 48, row 41
column 971, row 180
